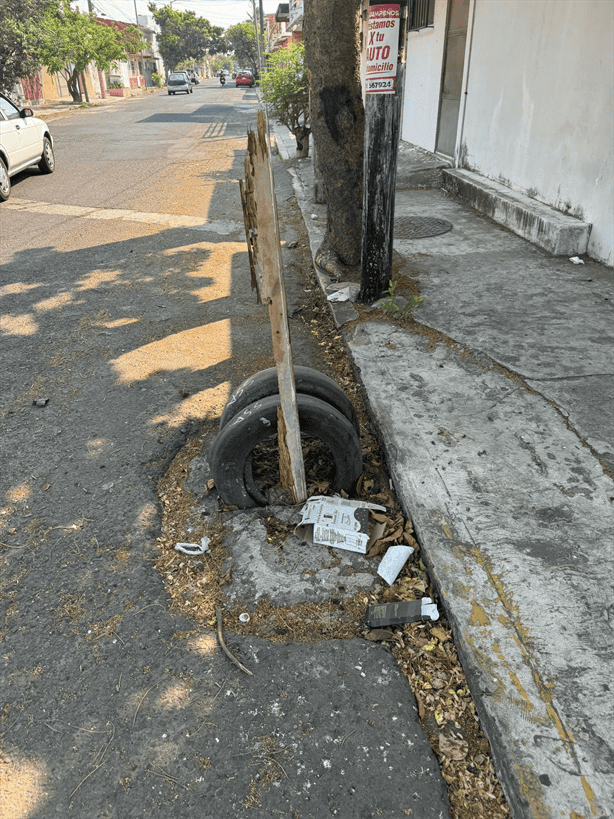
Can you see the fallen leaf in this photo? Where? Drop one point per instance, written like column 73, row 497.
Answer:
column 452, row 747
column 441, row 635
column 380, row 634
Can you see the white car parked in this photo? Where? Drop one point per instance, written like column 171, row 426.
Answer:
column 24, row 141
column 179, row 81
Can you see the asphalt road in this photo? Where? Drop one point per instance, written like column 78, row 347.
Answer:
column 127, row 317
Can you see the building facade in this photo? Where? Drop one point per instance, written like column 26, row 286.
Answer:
column 521, row 93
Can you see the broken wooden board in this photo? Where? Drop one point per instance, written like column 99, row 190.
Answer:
column 264, row 249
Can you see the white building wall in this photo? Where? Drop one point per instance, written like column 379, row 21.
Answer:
column 423, row 81
column 539, row 107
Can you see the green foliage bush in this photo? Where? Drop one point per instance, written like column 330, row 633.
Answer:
column 286, row 90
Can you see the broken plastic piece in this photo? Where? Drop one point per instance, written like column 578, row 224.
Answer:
column 393, row 561
column 193, row 549
column 576, row 260
column 405, row 611
column 40, row 402
column 348, row 293
column 244, row 617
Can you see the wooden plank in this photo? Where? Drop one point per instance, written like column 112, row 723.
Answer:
column 263, row 240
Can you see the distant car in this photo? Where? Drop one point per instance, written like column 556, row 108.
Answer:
column 179, row 81
column 245, row 78
column 24, row 141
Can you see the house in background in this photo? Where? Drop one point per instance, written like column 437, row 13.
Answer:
column 288, row 27
column 518, row 98
column 134, row 73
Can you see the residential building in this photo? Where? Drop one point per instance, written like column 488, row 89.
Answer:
column 519, row 94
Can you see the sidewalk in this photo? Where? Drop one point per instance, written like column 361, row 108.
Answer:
column 495, row 412
column 60, row 108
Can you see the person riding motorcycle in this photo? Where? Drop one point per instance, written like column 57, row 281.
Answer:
column 222, row 78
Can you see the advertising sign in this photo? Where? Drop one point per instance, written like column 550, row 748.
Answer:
column 382, row 48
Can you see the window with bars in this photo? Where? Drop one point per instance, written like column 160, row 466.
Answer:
column 421, row 14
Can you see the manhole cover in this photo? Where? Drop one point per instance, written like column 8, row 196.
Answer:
column 419, row 227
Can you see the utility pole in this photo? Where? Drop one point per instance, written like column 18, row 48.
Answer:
column 386, row 43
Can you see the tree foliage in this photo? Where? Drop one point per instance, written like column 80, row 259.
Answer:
column 71, row 41
column 221, row 61
column 20, row 39
column 184, row 36
column 286, row 91
column 241, row 39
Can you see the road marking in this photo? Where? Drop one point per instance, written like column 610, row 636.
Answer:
column 121, row 215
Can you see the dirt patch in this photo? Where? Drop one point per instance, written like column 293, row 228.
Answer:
column 424, row 651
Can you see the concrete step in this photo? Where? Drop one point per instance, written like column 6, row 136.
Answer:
column 556, row 232
column 417, row 168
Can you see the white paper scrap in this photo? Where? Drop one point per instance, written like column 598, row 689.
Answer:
column 337, row 522
column 393, row 561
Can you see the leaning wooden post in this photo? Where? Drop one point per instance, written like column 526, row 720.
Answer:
column 264, row 248
column 386, row 40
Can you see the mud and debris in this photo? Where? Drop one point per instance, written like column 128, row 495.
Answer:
column 424, row 651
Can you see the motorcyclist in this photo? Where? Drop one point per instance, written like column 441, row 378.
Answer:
column 222, row 78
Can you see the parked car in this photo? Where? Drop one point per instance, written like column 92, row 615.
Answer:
column 245, row 78
column 24, row 141
column 178, row 81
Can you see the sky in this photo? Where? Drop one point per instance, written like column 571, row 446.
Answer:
column 222, row 13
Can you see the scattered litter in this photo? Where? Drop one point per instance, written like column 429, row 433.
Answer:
column 244, row 617
column 314, row 215
column 348, row 293
column 40, row 402
column 106, row 487
column 405, row 611
column 393, row 561
column 339, row 522
column 576, row 260
column 194, row 549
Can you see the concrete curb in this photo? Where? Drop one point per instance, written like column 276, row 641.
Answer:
column 512, row 506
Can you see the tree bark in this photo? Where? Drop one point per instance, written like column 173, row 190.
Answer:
column 331, row 34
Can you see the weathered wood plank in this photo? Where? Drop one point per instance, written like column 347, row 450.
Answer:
column 264, row 247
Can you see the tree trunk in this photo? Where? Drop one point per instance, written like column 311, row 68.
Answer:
column 72, row 81
column 332, row 53
column 302, row 143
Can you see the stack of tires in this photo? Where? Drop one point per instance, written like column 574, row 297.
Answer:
column 250, row 418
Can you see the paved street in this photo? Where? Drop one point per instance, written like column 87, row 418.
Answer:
column 126, row 319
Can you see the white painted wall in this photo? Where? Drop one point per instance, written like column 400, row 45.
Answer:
column 539, row 108
column 423, row 81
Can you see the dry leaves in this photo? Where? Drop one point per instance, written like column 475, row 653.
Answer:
column 424, row 651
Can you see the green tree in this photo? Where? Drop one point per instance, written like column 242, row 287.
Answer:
column 184, row 36
column 242, row 40
column 286, row 91
column 219, row 62
column 20, row 39
column 72, row 40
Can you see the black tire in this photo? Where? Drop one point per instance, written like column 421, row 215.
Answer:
column 5, row 182
column 169, row 93
column 230, row 454
column 308, row 382
column 47, row 161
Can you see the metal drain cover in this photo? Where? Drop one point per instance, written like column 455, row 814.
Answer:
column 419, row 227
